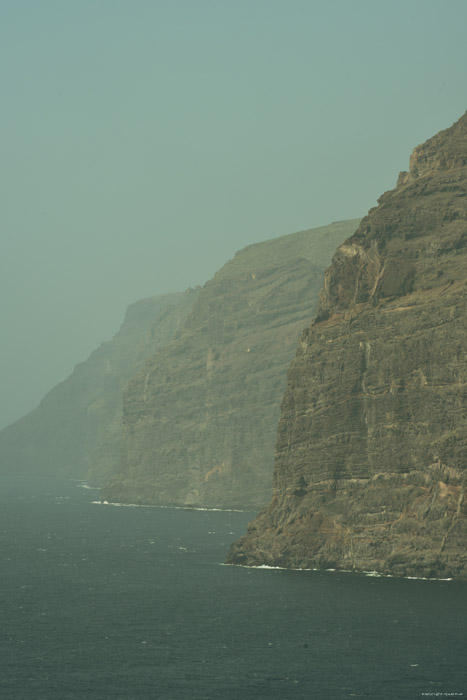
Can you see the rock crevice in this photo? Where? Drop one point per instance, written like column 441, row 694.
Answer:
column 370, row 461
column 199, row 421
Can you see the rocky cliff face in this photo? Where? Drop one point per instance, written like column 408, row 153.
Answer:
column 200, row 418
column 371, row 457
column 76, row 429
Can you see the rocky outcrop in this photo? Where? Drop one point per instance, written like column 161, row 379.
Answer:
column 76, row 429
column 200, row 418
column 371, row 457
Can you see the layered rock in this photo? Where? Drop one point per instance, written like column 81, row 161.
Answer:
column 200, row 418
column 371, row 457
column 76, row 429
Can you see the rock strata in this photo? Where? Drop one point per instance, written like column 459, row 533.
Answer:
column 76, row 429
column 371, row 457
column 199, row 420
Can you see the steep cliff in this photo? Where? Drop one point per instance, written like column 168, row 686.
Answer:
column 370, row 465
column 200, row 418
column 76, row 429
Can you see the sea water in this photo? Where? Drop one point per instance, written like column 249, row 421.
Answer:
column 110, row 603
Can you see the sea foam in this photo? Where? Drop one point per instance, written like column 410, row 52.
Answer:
column 147, row 505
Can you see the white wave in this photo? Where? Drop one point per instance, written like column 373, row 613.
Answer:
column 426, row 578
column 118, row 505
column 266, row 566
column 147, row 505
column 220, row 510
column 374, row 574
column 377, row 574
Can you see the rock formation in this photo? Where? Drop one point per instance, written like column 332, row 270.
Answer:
column 370, row 465
column 200, row 419
column 76, row 429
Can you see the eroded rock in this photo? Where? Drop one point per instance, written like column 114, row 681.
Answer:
column 371, row 457
column 200, row 418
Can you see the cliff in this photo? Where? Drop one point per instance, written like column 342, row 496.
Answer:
column 77, row 426
column 370, row 462
column 199, row 420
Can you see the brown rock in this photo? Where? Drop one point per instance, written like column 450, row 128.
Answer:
column 371, row 457
column 200, row 419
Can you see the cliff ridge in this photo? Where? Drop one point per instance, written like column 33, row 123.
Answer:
column 76, row 429
column 370, row 461
column 199, row 419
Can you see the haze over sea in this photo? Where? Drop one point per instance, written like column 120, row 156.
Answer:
column 99, row 603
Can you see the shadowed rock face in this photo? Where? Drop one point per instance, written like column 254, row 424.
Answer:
column 200, row 418
column 371, row 457
column 76, row 429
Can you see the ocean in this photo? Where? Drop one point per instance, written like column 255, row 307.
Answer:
column 99, row 602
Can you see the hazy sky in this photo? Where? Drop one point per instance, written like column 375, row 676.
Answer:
column 143, row 142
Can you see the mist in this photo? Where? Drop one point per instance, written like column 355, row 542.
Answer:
column 143, row 144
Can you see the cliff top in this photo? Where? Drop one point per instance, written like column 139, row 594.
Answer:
column 446, row 149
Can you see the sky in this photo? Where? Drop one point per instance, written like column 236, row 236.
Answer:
column 144, row 142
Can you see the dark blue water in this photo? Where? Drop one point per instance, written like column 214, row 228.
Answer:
column 113, row 603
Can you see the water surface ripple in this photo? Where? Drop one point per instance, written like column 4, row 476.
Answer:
column 103, row 603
